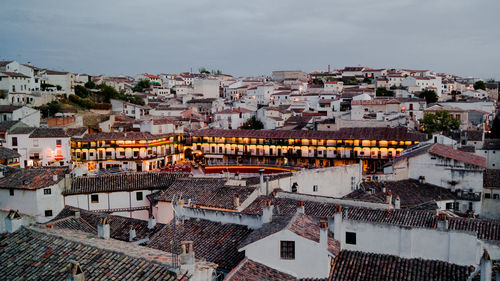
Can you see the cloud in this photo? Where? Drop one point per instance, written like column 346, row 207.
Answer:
column 252, row 37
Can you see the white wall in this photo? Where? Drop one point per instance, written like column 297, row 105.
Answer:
column 34, row 202
column 113, row 200
column 334, row 181
column 459, row 247
column 311, row 259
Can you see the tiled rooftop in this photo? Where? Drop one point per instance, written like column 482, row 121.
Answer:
column 32, row 178
column 44, row 254
column 465, row 157
column 123, row 182
column 212, row 241
column 49, row 133
column 360, row 266
column 486, row 229
column 6, row 153
column 210, row 192
column 249, row 270
column 298, row 223
column 87, row 222
column 411, row 192
column 344, row 133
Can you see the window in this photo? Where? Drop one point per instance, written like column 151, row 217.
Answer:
column 47, row 191
column 48, row 213
column 94, row 198
column 138, row 196
column 35, row 143
column 58, row 143
column 487, row 195
column 315, row 188
column 14, row 141
column 287, row 250
column 11, row 192
column 495, row 196
column 350, row 238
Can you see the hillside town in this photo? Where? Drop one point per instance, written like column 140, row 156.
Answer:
column 348, row 173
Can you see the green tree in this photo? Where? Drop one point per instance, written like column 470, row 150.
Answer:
column 480, row 85
column 367, row 80
column 441, row 121
column 383, row 92
column 107, row 92
column 317, row 81
column 3, row 94
column 90, row 85
column 203, row 70
column 81, row 91
column 252, row 124
column 430, row 96
column 495, row 128
column 352, row 81
column 141, row 85
column 50, row 109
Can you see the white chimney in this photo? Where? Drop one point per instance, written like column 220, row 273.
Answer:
column 131, row 234
column 442, row 222
column 261, row 175
column 397, row 203
column 236, row 201
column 267, row 212
column 75, row 272
column 388, row 198
column 300, row 207
column 338, row 225
column 54, row 177
column 13, row 221
column 186, row 257
column 103, row 229
column 267, row 185
column 486, row 266
column 151, row 222
column 323, row 234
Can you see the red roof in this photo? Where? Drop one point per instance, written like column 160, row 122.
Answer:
column 151, row 76
column 375, row 102
column 466, row 157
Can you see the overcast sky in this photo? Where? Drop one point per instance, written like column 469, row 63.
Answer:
column 252, row 37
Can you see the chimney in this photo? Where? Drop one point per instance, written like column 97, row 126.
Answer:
column 236, row 200
column 75, row 272
column 337, row 225
column 131, row 234
column 151, row 222
column 397, row 203
column 67, row 181
column 54, row 177
column 267, row 212
column 486, row 266
column 267, row 184
column 442, row 222
column 76, row 213
column 323, row 234
column 421, row 179
column 13, row 221
column 103, row 228
column 186, row 257
column 300, row 207
column 388, row 198
column 261, row 174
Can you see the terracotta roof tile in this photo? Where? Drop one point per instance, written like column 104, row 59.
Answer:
column 360, row 266
column 465, row 157
column 41, row 254
column 33, row 178
column 249, row 270
column 123, row 182
column 212, row 241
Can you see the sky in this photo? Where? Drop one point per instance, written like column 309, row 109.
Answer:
column 245, row 38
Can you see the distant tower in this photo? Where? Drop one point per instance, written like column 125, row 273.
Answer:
column 328, row 68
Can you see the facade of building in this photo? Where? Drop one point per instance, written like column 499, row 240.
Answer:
column 132, row 151
column 374, row 146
